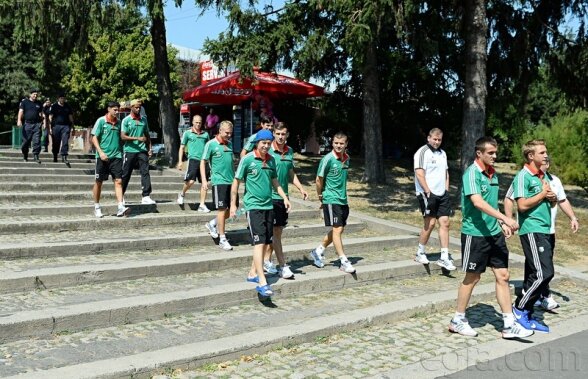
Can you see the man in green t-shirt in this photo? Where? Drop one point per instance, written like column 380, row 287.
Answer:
column 534, row 197
column 137, row 150
column 106, row 141
column 266, row 124
column 483, row 244
column 284, row 157
column 258, row 170
column 219, row 152
column 194, row 140
column 331, row 188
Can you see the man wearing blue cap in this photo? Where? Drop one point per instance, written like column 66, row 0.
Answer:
column 258, row 170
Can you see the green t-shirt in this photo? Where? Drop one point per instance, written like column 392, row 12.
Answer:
column 134, row 128
column 220, row 156
column 537, row 219
column 284, row 163
column 195, row 143
column 108, row 136
column 250, row 144
column 333, row 170
column 257, row 175
column 477, row 182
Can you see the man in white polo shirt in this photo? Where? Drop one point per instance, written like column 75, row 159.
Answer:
column 431, row 179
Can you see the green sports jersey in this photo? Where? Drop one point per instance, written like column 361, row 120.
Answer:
column 250, row 144
column 475, row 181
column 284, row 164
column 108, row 135
column 220, row 156
column 333, row 169
column 134, row 127
column 195, row 143
column 257, row 174
column 528, row 183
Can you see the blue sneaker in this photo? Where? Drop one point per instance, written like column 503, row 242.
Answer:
column 528, row 322
column 254, row 279
column 264, row 290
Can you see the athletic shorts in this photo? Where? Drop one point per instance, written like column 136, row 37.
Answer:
column 221, row 196
column 335, row 214
column 113, row 167
column 434, row 206
column 280, row 214
column 261, row 226
column 193, row 172
column 477, row 253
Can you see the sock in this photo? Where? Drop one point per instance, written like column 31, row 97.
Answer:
column 121, row 205
column 343, row 258
column 458, row 316
column 320, row 249
column 96, row 205
column 213, row 222
column 444, row 253
column 223, row 237
column 181, row 194
column 508, row 319
column 421, row 249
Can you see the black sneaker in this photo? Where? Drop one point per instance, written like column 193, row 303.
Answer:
column 36, row 158
column 64, row 160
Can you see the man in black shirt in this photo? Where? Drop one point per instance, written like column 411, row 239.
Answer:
column 61, row 124
column 31, row 110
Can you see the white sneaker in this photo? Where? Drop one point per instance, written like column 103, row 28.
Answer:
column 317, row 259
column 122, row 211
column 286, row 273
column 347, row 267
column 462, row 327
column 548, row 303
column 421, row 258
column 180, row 199
column 516, row 331
column 446, row 264
column 211, row 230
column 225, row 245
column 270, row 267
column 203, row 208
column 147, row 200
column 98, row 212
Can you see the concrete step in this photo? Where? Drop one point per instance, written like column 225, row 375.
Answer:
column 39, row 178
column 145, row 301
column 85, row 185
column 47, row 163
column 16, row 153
column 47, row 275
column 150, row 347
column 34, row 168
column 152, row 237
column 131, row 196
column 64, row 223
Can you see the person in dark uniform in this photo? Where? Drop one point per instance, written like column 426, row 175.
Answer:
column 61, row 126
column 31, row 110
column 46, row 125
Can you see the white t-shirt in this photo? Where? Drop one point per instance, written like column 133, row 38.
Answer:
column 434, row 162
column 557, row 188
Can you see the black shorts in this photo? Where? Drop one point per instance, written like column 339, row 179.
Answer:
column 479, row 252
column 335, row 214
column 434, row 206
column 193, row 172
column 221, row 196
column 112, row 166
column 261, row 226
column 280, row 214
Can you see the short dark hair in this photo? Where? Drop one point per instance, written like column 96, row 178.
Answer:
column 341, row 134
column 266, row 119
column 280, row 125
column 112, row 104
column 481, row 143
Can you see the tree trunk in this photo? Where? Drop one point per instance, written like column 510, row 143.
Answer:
column 167, row 112
column 372, row 122
column 474, row 105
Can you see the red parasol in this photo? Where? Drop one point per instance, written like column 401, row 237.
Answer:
column 233, row 89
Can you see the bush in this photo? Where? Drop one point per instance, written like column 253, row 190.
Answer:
column 567, row 145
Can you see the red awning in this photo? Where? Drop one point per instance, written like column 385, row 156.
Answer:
column 233, row 89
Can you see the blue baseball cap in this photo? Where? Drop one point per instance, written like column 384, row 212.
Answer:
column 264, row 135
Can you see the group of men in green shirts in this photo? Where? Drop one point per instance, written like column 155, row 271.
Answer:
column 120, row 145
column 484, row 229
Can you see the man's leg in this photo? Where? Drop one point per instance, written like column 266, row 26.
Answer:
column 55, row 140
column 464, row 293
column 425, row 234
column 143, row 159
column 26, row 140
column 65, row 132
column 37, row 139
column 336, row 236
column 97, row 191
column 118, row 190
column 221, row 218
column 127, row 170
column 503, row 289
column 277, row 246
column 202, row 194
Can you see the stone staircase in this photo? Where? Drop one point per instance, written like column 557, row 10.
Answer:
column 121, row 297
